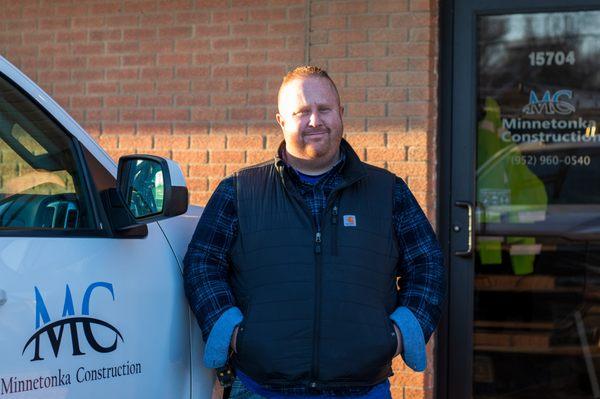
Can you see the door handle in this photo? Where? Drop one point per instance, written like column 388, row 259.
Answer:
column 471, row 230
column 2, row 297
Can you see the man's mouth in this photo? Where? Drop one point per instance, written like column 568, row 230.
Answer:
column 316, row 133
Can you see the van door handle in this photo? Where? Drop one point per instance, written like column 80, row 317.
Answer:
column 2, row 297
column 470, row 229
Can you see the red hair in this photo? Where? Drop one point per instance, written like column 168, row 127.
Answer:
column 306, row 71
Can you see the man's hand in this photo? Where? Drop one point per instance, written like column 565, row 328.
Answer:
column 233, row 343
column 398, row 338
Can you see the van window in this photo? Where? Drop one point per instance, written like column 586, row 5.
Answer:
column 41, row 185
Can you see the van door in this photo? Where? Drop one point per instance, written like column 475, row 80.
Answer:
column 82, row 313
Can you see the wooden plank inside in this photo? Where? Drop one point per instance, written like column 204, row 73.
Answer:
column 512, row 325
column 501, row 282
column 513, row 339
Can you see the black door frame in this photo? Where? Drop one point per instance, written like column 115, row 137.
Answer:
column 456, row 167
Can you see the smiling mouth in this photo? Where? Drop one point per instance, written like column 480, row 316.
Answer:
column 316, row 133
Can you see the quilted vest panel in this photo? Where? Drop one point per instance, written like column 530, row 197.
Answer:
column 315, row 313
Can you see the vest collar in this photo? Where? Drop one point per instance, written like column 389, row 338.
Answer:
column 351, row 171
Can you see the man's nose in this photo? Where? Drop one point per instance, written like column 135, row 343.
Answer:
column 314, row 120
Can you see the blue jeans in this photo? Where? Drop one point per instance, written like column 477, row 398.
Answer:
column 239, row 391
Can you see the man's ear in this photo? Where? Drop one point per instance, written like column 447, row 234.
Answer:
column 280, row 120
column 341, row 110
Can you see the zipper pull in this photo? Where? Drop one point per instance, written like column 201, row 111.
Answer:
column 318, row 242
column 334, row 214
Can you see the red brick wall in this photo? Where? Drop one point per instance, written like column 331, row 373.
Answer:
column 196, row 81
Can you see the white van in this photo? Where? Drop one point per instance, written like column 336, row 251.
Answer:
column 91, row 292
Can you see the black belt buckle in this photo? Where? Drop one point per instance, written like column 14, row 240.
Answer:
column 225, row 375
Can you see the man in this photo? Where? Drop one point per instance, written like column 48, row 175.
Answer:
column 294, row 263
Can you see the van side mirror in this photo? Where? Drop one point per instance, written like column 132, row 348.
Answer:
column 153, row 188
column 149, row 188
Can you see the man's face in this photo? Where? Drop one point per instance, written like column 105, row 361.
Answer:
column 310, row 117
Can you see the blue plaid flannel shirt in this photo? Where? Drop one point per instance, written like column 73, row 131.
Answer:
column 206, row 264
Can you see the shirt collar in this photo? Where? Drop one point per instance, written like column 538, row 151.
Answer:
column 283, row 165
column 351, row 168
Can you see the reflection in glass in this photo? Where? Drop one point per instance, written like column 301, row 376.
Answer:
column 146, row 191
column 41, row 184
column 537, row 277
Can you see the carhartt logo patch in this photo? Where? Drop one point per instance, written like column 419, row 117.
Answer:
column 349, row 220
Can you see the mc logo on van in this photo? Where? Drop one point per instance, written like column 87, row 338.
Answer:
column 48, row 331
column 550, row 104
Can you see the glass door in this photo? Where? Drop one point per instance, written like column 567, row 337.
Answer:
column 524, row 211
column 536, row 329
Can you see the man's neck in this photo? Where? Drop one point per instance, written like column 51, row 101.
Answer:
column 312, row 167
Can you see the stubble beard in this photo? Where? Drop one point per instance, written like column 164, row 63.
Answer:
column 323, row 151
column 315, row 150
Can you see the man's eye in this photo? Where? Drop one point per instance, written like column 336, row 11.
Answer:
column 300, row 113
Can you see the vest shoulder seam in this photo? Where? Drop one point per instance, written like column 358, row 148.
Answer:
column 377, row 170
column 258, row 166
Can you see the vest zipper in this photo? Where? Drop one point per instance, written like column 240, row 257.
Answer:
column 318, row 273
column 314, row 374
column 318, row 242
column 334, row 222
column 318, row 283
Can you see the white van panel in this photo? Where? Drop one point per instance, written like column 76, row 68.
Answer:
column 147, row 319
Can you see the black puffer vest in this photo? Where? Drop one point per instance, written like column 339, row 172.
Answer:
column 316, row 299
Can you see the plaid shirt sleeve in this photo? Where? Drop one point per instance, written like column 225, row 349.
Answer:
column 206, row 262
column 420, row 267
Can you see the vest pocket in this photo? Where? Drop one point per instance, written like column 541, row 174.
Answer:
column 390, row 338
column 358, row 351
column 239, row 338
column 393, row 338
column 242, row 331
